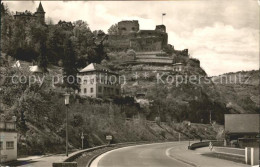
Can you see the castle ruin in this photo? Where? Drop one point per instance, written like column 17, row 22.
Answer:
column 148, row 46
column 39, row 15
column 129, row 36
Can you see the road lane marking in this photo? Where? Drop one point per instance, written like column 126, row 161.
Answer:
column 167, row 152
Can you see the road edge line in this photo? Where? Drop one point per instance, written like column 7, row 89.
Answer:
column 179, row 159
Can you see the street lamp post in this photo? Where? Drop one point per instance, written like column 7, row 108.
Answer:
column 82, row 140
column 67, row 101
column 189, row 136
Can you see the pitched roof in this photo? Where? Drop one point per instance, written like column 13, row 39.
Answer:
column 36, row 69
column 40, row 8
column 95, row 67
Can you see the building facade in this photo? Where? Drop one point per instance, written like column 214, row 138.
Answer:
column 129, row 36
column 8, row 141
column 178, row 67
column 98, row 81
column 39, row 15
column 242, row 130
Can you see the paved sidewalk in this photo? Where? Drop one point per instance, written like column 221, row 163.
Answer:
column 195, row 158
column 38, row 161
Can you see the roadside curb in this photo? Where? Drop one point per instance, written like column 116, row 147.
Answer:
column 94, row 157
column 135, row 144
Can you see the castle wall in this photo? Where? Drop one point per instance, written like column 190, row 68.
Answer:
column 146, row 44
column 143, row 40
column 184, row 52
column 161, row 28
column 117, row 42
column 40, row 17
column 126, row 27
column 130, row 37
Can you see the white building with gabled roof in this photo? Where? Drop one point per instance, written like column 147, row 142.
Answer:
column 98, row 81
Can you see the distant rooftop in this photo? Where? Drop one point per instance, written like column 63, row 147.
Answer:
column 95, row 67
column 36, row 69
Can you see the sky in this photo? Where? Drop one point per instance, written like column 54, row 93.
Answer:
column 223, row 35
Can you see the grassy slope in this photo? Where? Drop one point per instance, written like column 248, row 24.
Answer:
column 241, row 97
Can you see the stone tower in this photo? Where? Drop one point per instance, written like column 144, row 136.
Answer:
column 161, row 28
column 40, row 14
column 126, row 27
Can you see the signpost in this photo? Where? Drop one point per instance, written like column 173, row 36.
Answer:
column 109, row 138
column 82, row 140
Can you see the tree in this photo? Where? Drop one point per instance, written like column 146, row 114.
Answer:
column 43, row 62
column 83, row 42
column 7, row 24
column 69, row 66
column 98, row 32
column 113, row 29
column 4, row 10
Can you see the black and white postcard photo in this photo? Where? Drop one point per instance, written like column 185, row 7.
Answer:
column 125, row 83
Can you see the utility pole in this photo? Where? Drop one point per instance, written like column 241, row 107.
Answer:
column 67, row 98
column 210, row 116
column 67, row 132
column 163, row 14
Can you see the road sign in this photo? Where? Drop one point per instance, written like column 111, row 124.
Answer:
column 210, row 146
column 109, row 137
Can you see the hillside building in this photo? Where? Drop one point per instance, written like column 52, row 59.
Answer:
column 242, row 130
column 141, row 99
column 178, row 67
column 99, row 82
column 8, row 140
column 39, row 15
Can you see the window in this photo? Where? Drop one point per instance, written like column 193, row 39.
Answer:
column 1, row 145
column 100, row 89
column 92, row 81
column 91, row 90
column 85, row 90
column 117, row 91
column 9, row 145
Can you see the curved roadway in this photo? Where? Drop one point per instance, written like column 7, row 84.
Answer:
column 172, row 154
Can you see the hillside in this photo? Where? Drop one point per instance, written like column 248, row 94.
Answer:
column 176, row 89
column 40, row 112
column 239, row 90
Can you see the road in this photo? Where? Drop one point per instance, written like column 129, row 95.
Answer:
column 174, row 154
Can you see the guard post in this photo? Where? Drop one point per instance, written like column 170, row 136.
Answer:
column 109, row 139
column 252, row 156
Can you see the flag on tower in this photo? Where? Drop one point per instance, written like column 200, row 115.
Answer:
column 163, row 14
